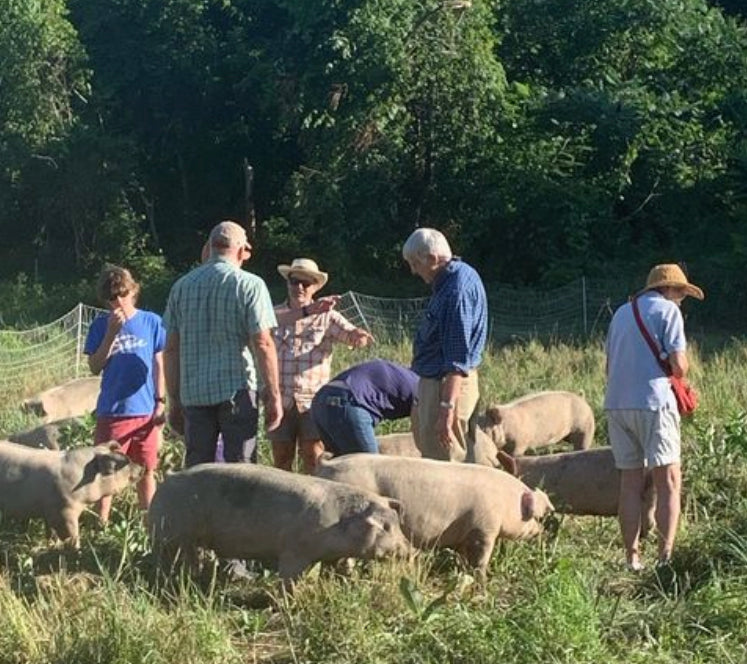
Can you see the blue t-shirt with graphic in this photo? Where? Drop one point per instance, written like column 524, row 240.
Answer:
column 127, row 384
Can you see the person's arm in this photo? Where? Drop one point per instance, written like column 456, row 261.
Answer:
column 450, row 386
column 673, row 342
column 679, row 363
column 172, row 381
column 343, row 331
column 267, row 363
column 98, row 359
column 288, row 316
column 159, row 381
column 360, row 338
column 455, row 344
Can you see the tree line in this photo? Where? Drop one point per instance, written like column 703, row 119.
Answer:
column 547, row 138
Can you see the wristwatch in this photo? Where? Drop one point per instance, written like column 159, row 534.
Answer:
column 449, row 405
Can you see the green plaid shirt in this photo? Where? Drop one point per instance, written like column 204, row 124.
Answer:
column 216, row 308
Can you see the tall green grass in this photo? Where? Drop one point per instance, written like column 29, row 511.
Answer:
column 567, row 599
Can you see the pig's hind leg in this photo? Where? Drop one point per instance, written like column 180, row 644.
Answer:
column 476, row 549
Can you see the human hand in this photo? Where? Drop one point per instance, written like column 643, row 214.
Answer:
column 361, row 338
column 273, row 411
column 117, row 318
column 159, row 414
column 323, row 304
column 444, row 428
column 175, row 417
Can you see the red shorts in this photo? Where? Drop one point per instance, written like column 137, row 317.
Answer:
column 138, row 436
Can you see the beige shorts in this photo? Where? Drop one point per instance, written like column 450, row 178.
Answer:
column 429, row 398
column 295, row 426
column 644, row 438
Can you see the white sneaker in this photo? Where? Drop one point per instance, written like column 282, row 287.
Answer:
column 635, row 566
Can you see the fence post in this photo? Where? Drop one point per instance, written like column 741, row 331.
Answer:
column 79, row 340
column 583, row 299
column 360, row 313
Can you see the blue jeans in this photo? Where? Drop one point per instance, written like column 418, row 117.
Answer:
column 345, row 427
column 236, row 419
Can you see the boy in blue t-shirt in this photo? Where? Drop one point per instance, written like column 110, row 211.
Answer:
column 126, row 345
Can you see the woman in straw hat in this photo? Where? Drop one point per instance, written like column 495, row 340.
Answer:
column 642, row 416
column 307, row 329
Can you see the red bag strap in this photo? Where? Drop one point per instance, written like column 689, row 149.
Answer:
column 651, row 343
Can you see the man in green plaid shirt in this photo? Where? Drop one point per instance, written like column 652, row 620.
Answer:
column 215, row 316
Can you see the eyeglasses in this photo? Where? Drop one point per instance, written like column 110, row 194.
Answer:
column 293, row 281
column 115, row 297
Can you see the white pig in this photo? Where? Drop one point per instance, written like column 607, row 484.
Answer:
column 465, row 507
column 57, row 486
column 483, row 452
column 72, row 399
column 540, row 419
column 249, row 511
column 46, row 436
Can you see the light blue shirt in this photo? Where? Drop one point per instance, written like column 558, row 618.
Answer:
column 635, row 381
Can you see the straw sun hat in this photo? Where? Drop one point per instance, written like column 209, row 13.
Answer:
column 304, row 268
column 670, row 274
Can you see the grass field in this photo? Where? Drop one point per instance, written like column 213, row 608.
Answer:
column 566, row 598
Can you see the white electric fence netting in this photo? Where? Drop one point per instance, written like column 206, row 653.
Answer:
column 50, row 354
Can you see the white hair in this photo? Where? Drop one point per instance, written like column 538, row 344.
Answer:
column 426, row 242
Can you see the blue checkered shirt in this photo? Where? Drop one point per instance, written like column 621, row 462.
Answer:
column 452, row 333
column 216, row 308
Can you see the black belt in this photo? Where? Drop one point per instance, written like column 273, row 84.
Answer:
column 343, row 396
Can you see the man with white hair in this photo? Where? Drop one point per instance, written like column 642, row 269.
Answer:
column 448, row 346
column 214, row 314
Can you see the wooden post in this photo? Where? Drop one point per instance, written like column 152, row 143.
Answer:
column 250, row 217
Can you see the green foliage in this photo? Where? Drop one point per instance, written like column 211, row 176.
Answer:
column 629, row 122
column 42, row 71
column 547, row 139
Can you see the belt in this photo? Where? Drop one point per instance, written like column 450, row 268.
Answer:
column 337, row 400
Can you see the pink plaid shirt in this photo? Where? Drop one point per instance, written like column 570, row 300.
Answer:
column 305, row 354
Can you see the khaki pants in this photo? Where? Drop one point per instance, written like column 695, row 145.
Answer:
column 429, row 398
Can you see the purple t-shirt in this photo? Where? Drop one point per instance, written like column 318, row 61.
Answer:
column 383, row 388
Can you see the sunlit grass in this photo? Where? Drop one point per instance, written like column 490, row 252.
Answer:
column 563, row 599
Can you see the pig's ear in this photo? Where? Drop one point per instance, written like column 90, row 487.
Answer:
column 535, row 505
column 325, row 456
column 494, row 415
column 527, row 506
column 396, row 505
column 544, row 506
column 507, row 462
column 108, row 462
column 108, row 446
column 112, row 446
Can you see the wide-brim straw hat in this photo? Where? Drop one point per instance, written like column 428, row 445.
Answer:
column 304, row 268
column 671, row 274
